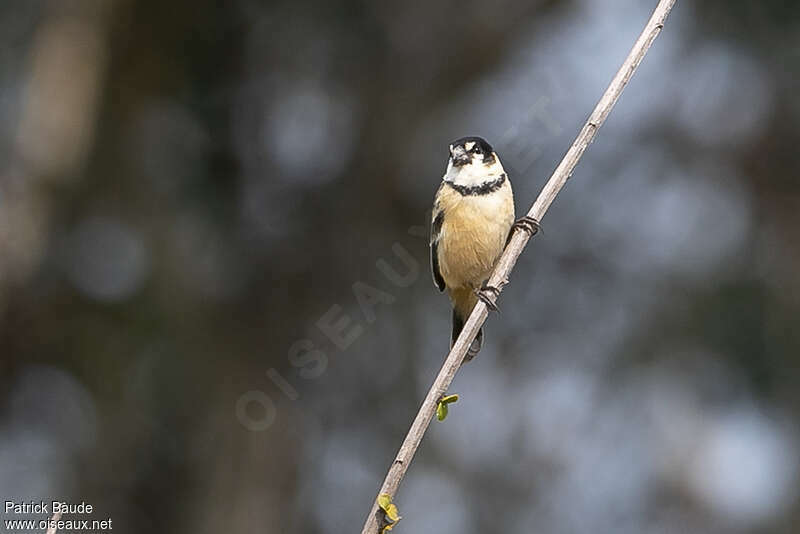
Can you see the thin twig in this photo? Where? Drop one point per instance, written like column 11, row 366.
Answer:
column 51, row 529
column 509, row 258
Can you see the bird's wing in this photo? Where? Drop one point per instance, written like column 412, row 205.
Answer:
column 437, row 219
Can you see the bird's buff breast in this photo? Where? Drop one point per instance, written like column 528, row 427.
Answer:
column 473, row 235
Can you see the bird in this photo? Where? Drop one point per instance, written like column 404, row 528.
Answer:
column 471, row 223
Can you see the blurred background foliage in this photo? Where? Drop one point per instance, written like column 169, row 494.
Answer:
column 187, row 188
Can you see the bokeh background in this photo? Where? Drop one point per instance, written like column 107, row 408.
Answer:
column 189, row 191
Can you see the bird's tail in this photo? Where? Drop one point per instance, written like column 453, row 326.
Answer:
column 458, row 325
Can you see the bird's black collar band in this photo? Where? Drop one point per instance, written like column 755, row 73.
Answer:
column 483, row 189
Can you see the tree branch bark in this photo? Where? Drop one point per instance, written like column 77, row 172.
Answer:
column 53, row 525
column 509, row 258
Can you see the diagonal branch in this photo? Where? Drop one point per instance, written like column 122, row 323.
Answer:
column 509, row 258
column 53, row 524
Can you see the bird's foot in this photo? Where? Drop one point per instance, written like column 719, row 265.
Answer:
column 527, row 224
column 489, row 294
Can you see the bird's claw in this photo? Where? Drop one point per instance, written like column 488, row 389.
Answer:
column 489, row 294
column 527, row 224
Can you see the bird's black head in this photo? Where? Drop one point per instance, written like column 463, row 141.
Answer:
column 471, row 150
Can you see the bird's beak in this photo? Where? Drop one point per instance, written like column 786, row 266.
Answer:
column 460, row 156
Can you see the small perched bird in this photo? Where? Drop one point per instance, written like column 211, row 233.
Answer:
column 473, row 213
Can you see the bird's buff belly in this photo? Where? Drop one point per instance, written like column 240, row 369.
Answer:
column 469, row 246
